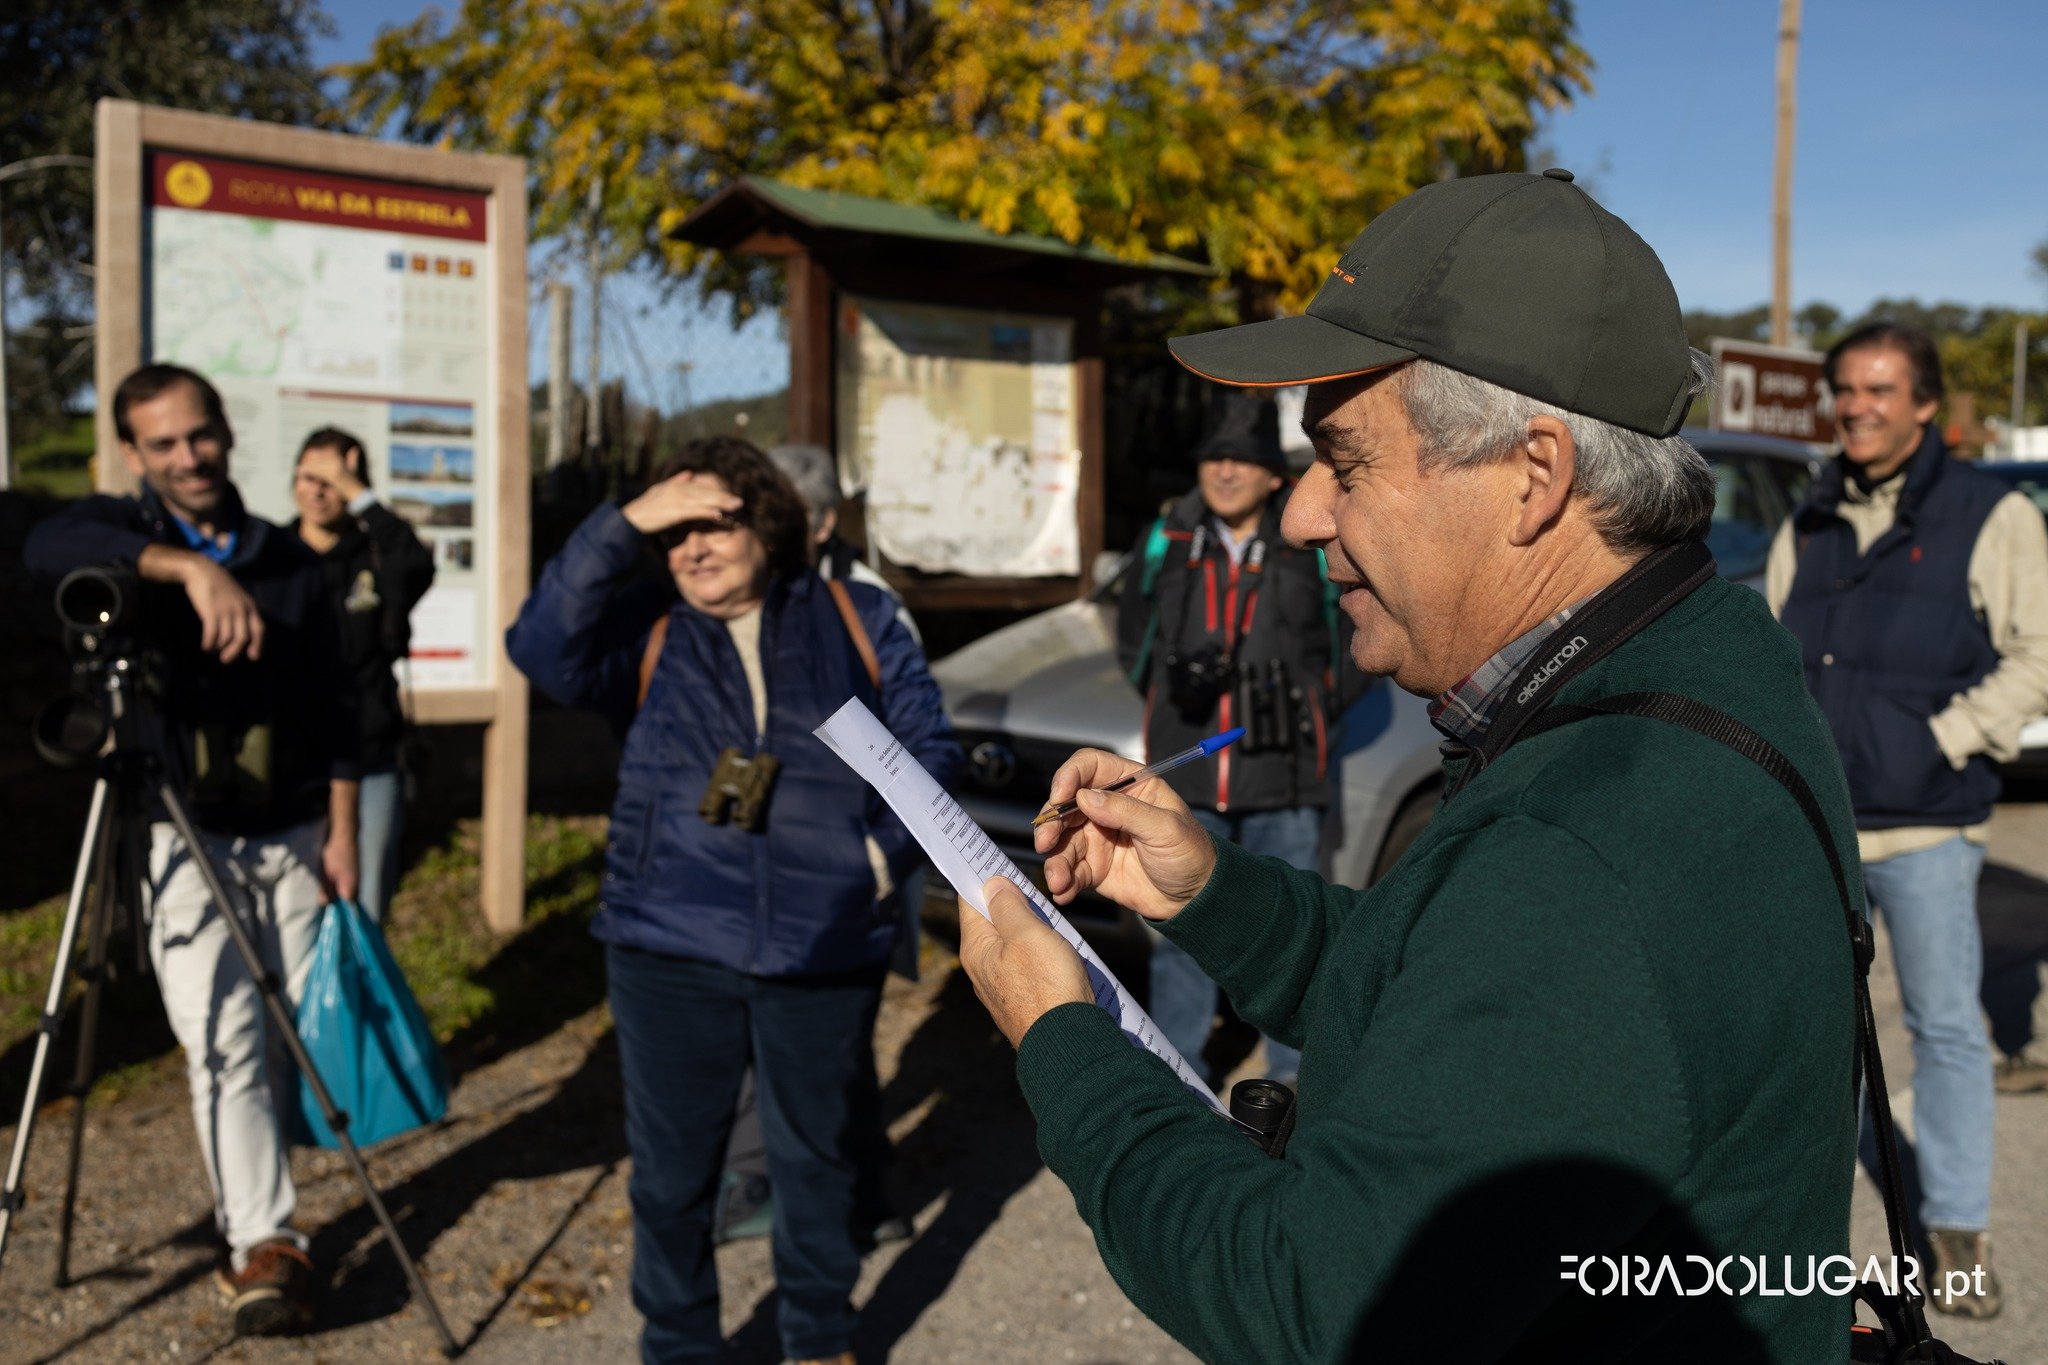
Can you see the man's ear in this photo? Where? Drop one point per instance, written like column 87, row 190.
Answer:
column 132, row 458
column 828, row 522
column 1545, row 463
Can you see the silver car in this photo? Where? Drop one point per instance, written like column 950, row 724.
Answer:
column 1023, row 698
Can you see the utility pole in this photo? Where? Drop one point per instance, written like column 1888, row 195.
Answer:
column 1781, row 189
column 2019, row 376
column 560, row 363
column 593, row 407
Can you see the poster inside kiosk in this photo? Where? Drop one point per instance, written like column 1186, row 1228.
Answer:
column 318, row 300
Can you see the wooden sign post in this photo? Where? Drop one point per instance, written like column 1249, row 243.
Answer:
column 319, row 279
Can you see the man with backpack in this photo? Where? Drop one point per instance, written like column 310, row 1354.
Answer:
column 1222, row 624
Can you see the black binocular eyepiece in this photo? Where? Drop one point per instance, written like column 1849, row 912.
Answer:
column 1265, row 1110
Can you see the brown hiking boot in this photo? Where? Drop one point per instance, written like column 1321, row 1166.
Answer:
column 2020, row 1074
column 1967, row 1255
column 272, row 1295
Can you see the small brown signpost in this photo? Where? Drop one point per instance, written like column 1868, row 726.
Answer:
column 1772, row 391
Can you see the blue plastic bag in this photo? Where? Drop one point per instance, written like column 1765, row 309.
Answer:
column 366, row 1034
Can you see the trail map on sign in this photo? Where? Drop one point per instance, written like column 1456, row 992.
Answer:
column 960, row 425
column 316, row 300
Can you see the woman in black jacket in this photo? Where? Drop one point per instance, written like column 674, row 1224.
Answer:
column 377, row 570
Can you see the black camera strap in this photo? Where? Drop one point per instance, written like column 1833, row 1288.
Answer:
column 1652, row 586
column 1906, row 1337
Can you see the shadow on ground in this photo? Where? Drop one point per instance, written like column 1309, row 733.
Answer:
column 975, row 1147
column 2012, row 909
column 582, row 1124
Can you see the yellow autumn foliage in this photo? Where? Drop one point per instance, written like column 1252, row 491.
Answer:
column 1255, row 135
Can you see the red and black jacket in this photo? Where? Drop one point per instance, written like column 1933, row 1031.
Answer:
column 1267, row 606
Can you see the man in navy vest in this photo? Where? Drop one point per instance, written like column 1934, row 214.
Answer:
column 1918, row 589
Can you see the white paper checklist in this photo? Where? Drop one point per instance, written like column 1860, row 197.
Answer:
column 967, row 857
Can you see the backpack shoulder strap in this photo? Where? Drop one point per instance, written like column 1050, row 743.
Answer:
column 649, row 657
column 1155, row 556
column 1717, row 725
column 859, row 633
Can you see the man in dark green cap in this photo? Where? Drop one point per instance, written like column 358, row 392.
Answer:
column 1591, row 1040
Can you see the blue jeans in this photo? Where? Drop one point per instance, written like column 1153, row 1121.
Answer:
column 381, row 813
column 687, row 1031
column 1183, row 998
column 1929, row 903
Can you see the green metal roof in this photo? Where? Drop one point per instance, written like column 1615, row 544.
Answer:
column 717, row 223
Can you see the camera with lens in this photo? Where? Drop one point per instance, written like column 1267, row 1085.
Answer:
column 1196, row 679
column 739, row 789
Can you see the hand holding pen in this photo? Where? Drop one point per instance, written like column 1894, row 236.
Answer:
column 1213, row 744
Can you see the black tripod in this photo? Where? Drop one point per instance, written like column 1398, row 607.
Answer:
column 111, row 873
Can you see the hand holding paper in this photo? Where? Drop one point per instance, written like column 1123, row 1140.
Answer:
column 1019, row 966
column 969, row 859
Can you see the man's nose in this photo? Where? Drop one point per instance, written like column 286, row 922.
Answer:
column 1308, row 519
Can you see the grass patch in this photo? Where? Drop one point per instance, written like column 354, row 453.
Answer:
column 58, row 463
column 457, row 966
column 469, row 981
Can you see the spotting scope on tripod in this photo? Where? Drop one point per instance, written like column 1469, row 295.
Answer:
column 104, row 718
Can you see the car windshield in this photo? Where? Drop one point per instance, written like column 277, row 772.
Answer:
column 2032, row 482
column 1745, row 517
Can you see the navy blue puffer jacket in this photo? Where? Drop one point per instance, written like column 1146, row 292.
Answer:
column 799, row 897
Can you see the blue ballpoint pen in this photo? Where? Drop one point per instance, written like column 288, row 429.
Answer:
column 1165, row 765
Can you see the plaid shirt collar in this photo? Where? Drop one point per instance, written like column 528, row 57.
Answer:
column 1464, row 712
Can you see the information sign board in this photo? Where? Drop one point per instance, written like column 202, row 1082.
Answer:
column 316, row 300
column 323, row 279
column 961, row 425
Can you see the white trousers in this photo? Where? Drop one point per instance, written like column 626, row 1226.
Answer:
column 243, row 1083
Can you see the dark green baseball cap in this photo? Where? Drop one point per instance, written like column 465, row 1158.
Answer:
column 1518, row 279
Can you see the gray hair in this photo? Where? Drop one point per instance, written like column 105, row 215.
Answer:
column 1644, row 491
column 813, row 473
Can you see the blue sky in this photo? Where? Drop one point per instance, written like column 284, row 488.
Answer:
column 1919, row 167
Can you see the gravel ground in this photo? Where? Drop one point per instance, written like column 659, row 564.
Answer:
column 516, row 1206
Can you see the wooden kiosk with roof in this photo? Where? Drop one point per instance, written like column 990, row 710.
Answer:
column 956, row 376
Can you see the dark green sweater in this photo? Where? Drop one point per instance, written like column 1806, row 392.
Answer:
column 1602, row 1007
